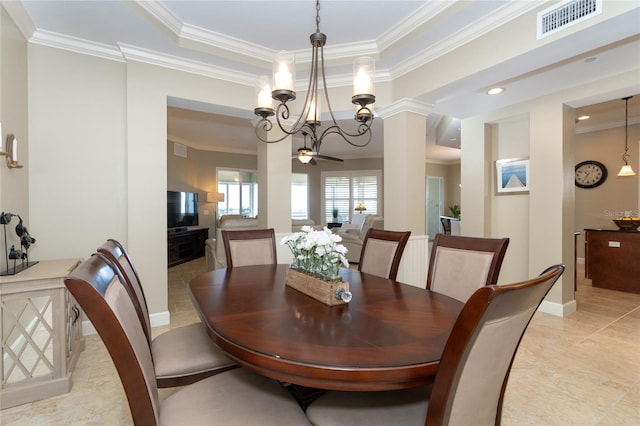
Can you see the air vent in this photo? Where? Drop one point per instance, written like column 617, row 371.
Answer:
column 565, row 14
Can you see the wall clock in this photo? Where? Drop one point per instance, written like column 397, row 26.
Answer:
column 590, row 174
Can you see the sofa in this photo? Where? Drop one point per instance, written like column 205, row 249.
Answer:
column 353, row 237
column 214, row 247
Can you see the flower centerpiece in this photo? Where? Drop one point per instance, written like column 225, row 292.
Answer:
column 318, row 257
column 317, row 253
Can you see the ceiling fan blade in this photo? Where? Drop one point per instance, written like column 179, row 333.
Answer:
column 326, row 157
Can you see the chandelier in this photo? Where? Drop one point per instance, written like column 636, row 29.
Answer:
column 626, row 169
column 308, row 122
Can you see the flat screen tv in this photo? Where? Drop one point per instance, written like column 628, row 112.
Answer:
column 182, row 209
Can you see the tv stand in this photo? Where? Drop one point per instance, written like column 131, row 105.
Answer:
column 185, row 244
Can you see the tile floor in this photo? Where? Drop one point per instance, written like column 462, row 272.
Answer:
column 580, row 370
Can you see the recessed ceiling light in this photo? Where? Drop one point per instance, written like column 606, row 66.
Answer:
column 591, row 59
column 583, row 117
column 495, row 91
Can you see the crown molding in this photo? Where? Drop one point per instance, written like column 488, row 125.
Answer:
column 139, row 54
column 420, row 17
column 586, row 128
column 19, row 15
column 402, row 106
column 480, row 27
column 192, row 145
column 77, row 45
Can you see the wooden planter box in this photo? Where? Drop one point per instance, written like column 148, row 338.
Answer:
column 322, row 291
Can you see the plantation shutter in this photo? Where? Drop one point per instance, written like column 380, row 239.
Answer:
column 345, row 190
column 337, row 196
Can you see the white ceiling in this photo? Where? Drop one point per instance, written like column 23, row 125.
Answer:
column 235, row 40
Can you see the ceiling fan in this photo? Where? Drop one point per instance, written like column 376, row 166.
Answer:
column 308, row 155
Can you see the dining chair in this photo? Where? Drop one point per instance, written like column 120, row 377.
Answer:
column 182, row 355
column 382, row 251
column 234, row 397
column 459, row 265
column 472, row 376
column 250, row 247
column 446, row 225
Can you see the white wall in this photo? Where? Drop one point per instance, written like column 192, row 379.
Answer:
column 77, row 172
column 14, row 183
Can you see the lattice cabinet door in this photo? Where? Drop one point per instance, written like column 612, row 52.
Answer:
column 41, row 333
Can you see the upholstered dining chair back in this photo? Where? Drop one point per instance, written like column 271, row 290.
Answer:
column 116, row 252
column 476, row 361
column 250, row 247
column 382, row 251
column 474, row 368
column 182, row 355
column 101, row 292
column 459, row 265
column 237, row 396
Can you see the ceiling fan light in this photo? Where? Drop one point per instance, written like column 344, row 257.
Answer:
column 304, row 156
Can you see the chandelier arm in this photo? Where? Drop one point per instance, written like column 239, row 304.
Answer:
column 266, row 125
column 285, row 114
column 342, row 132
column 336, row 130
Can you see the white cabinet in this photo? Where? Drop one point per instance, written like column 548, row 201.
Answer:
column 41, row 333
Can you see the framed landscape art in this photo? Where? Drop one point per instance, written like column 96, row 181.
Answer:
column 512, row 176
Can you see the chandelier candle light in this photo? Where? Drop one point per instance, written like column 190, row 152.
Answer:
column 317, row 258
column 308, row 122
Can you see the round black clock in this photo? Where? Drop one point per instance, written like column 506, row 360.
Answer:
column 590, row 174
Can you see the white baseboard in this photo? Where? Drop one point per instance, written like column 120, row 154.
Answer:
column 157, row 320
column 557, row 309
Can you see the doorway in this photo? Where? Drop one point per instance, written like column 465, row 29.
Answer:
column 434, row 199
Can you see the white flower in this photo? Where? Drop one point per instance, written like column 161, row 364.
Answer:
column 317, row 252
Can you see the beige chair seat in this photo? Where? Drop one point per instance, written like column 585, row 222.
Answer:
column 237, row 397
column 182, row 355
column 186, row 350
column 406, row 407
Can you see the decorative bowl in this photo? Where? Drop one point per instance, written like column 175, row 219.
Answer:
column 627, row 223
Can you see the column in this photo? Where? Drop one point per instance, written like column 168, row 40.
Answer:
column 405, row 133
column 274, row 184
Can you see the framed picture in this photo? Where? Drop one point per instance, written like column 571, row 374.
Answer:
column 512, row 176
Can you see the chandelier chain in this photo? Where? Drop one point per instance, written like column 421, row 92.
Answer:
column 317, row 16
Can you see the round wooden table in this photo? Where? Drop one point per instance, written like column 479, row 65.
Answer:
column 390, row 336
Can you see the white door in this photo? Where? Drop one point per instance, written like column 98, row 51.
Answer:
column 434, row 205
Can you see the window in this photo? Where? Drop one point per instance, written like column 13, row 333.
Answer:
column 299, row 196
column 343, row 191
column 240, row 189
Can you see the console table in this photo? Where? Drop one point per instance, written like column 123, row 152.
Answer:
column 185, row 245
column 611, row 259
column 41, row 333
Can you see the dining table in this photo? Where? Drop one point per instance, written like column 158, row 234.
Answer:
column 389, row 336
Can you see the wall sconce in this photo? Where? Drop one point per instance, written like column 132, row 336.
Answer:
column 11, row 152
